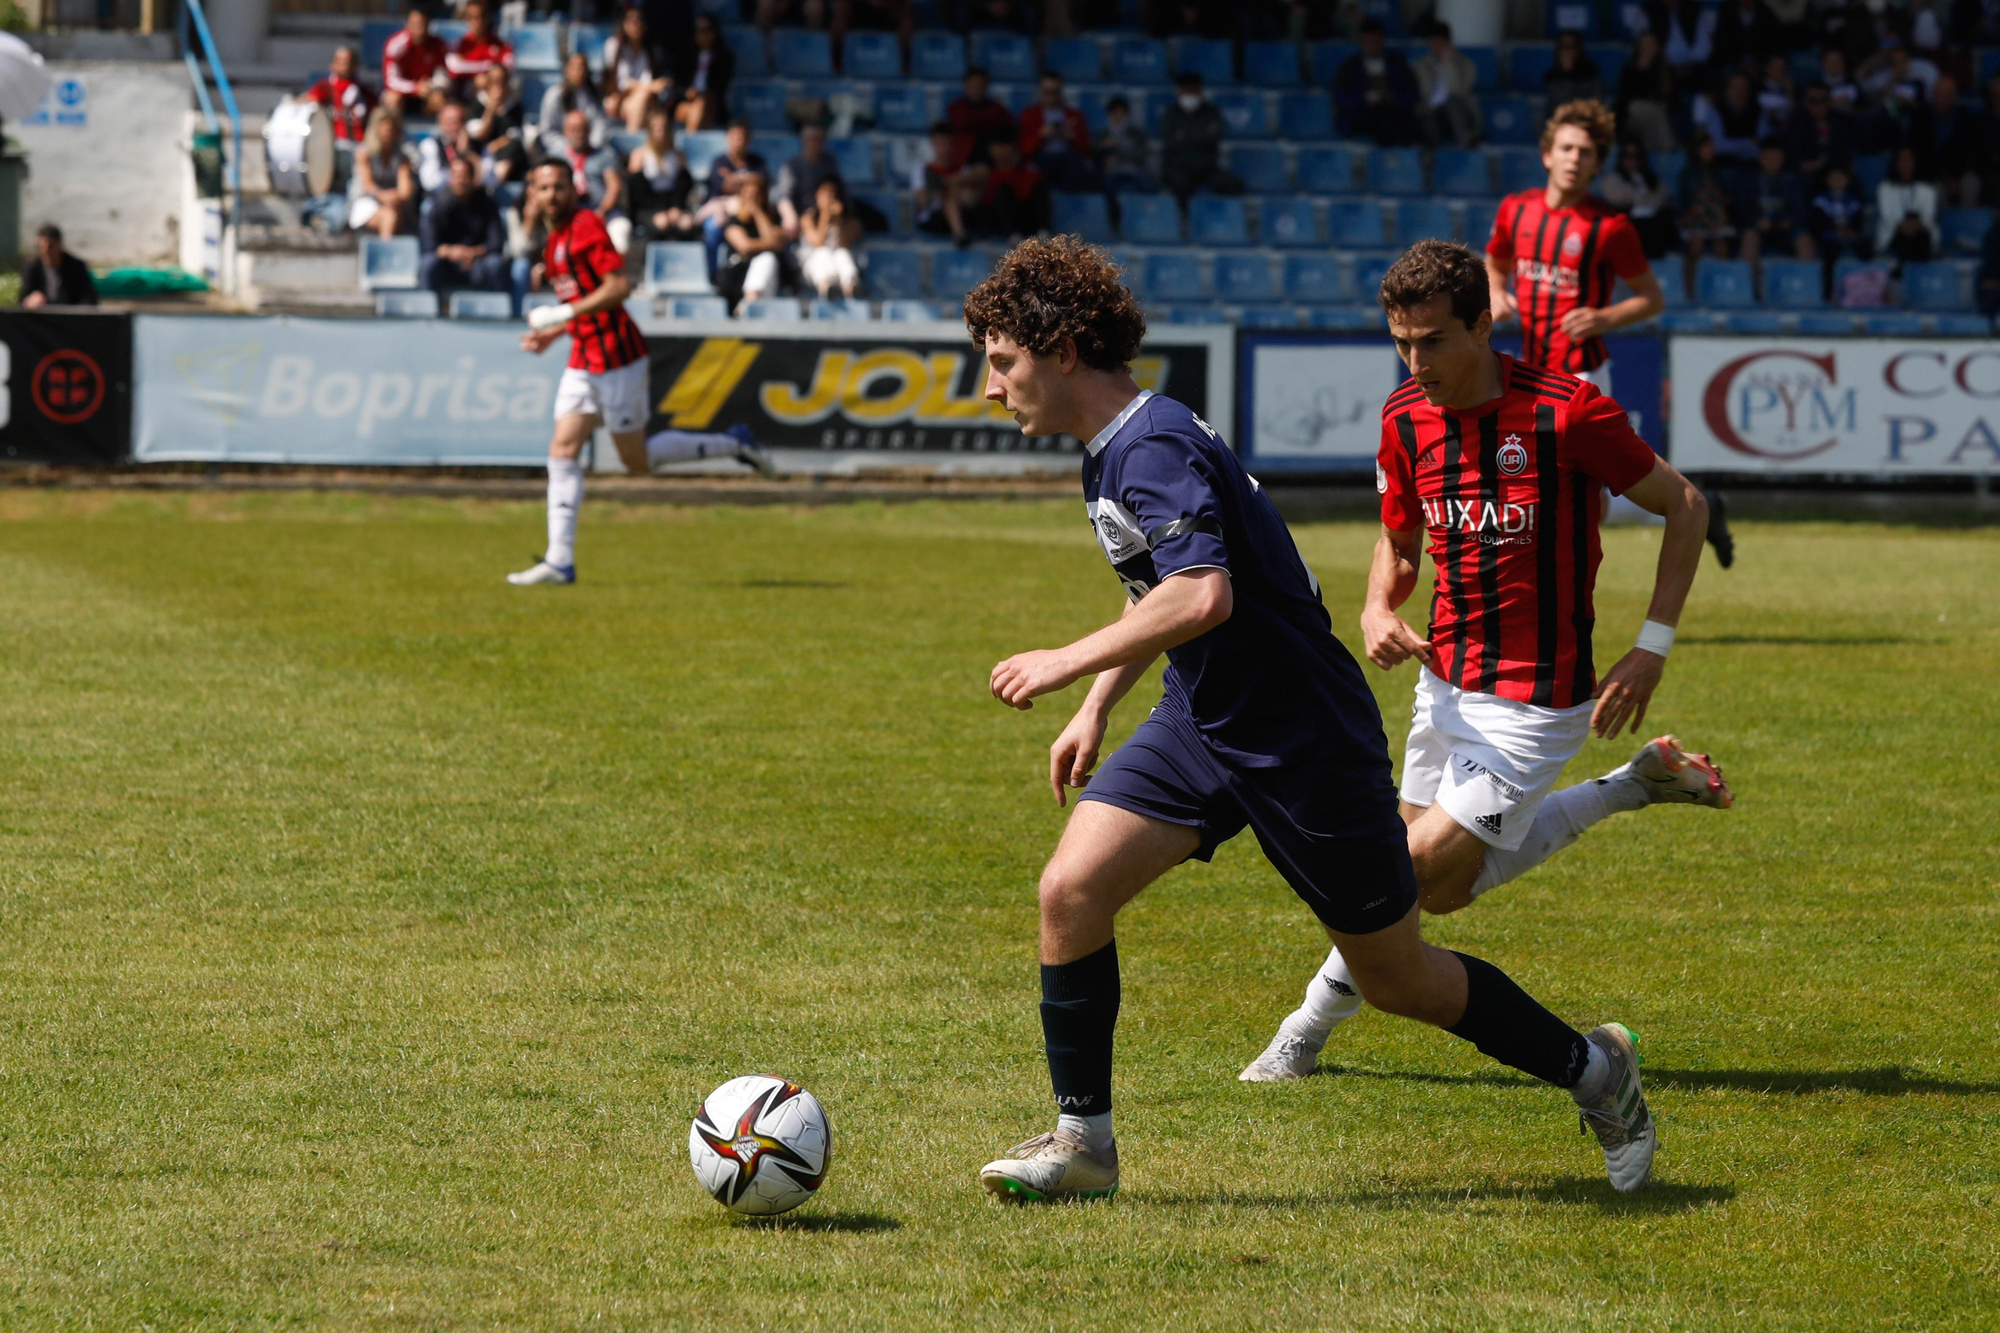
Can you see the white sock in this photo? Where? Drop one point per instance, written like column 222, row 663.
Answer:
column 678, row 446
column 1331, row 997
column 1561, row 821
column 565, row 498
column 1591, row 1088
column 1094, row 1130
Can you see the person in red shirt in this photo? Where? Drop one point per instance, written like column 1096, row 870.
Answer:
column 1017, row 197
column 413, row 68
column 1056, row 141
column 979, row 120
column 1494, row 467
column 480, row 49
column 346, row 99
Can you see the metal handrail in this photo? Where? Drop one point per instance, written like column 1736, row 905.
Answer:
column 191, row 11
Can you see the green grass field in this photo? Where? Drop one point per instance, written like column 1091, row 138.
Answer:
column 373, row 929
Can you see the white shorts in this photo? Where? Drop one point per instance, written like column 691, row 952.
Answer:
column 619, row 397
column 1489, row 761
column 1601, row 377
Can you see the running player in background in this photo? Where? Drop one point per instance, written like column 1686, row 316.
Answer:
column 1501, row 463
column 605, row 381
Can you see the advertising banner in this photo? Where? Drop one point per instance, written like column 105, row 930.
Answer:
column 1903, row 407
column 68, row 387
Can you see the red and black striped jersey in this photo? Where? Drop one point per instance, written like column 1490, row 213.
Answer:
column 577, row 259
column 1562, row 258
column 1509, row 491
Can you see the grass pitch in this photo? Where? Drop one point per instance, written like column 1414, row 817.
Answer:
column 373, row 929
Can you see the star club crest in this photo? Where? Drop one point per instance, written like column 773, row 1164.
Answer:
column 749, row 1149
column 1513, row 459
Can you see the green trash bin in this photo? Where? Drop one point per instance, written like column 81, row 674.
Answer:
column 206, row 149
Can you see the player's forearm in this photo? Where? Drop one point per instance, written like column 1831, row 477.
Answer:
column 1392, row 575
column 1680, row 554
column 611, row 292
column 1632, row 310
column 1180, row 608
column 1113, row 685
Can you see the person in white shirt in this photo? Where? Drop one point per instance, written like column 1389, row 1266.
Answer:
column 1446, row 107
column 635, row 72
column 1906, row 212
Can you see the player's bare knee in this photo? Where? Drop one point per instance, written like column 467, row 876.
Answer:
column 1062, row 894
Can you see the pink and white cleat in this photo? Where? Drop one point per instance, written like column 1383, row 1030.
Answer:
column 1667, row 773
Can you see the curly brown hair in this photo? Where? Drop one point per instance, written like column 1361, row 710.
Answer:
column 1042, row 292
column 1589, row 115
column 1430, row 269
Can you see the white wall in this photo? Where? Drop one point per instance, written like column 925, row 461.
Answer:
column 112, row 183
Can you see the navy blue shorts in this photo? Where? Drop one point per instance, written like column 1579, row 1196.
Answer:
column 1332, row 832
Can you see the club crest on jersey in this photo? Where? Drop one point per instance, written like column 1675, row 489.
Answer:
column 1513, row 458
column 1572, row 246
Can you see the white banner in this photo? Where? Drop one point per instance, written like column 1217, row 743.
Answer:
column 1905, row 407
column 344, row 391
column 1318, row 402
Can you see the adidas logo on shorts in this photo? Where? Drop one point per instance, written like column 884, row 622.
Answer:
column 1491, row 823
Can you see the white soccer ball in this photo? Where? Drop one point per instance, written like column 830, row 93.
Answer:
column 760, row 1145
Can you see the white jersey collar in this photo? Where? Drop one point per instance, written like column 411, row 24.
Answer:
column 1103, row 437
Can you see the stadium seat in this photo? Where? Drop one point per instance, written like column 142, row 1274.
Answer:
column 1510, row 120
column 640, row 309
column 1346, row 319
column 1212, row 58
column 535, row 46
column 1843, row 267
column 375, row 34
column 1271, row 64
column 908, row 312
column 1150, row 105
column 1461, row 171
column 1941, row 285
column 1287, row 222
column 482, row 305
column 534, row 86
column 892, row 273
column 1486, row 60
column 1825, row 323
column 748, row 44
column 1244, row 277
column 1328, row 170
column 388, row 262
column 1368, row 271
column 1261, row 165
column 887, row 203
column 1571, row 16
column 1077, row 59
column 1964, row 229
column 676, row 268
column 536, row 300
column 696, row 307
column 418, row 304
column 1395, row 171
column 762, row 104
column 1527, row 62
column 449, row 31
column 1611, row 58
column 1244, row 114
column 1132, row 266
column 938, row 57
column 1870, row 169
column 701, row 148
column 802, row 53
column 1753, row 321
column 1793, row 284
column 1270, row 317
column 1521, row 169
column 1689, row 321
column 775, row 149
column 1138, row 60
column 1478, row 223
column 1959, row 325
column 625, row 142
column 842, row 311
column 778, row 310
column 902, row 108
column 1893, row 324
column 956, row 272
column 1325, row 58
column 1150, row 219
column 1174, row 275
column 857, row 160
column 1196, row 314
column 1672, row 276
column 1307, row 115
column 1213, row 220
column 1422, row 220
column 1724, row 284
column 1354, row 224
column 1314, row 278
column 871, row 55
column 1007, row 56
column 1085, row 215
column 1668, row 167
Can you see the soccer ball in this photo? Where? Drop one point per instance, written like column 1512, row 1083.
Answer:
column 760, row 1145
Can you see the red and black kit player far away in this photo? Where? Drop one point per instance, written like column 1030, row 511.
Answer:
column 1563, row 259
column 577, row 260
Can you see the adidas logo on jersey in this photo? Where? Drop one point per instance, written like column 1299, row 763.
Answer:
column 1491, row 823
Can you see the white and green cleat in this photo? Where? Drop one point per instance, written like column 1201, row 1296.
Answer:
column 1293, row 1053
column 1620, row 1119
column 1052, row 1167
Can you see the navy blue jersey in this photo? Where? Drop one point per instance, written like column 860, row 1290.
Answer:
column 1270, row 685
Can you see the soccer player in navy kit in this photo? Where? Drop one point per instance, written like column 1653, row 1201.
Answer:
column 1264, row 722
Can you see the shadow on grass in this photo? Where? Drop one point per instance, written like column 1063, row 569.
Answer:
column 790, row 583
column 1883, row 1081
column 822, row 1222
column 1804, row 640
column 1658, row 1198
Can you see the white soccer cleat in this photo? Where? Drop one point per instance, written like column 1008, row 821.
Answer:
column 1620, row 1119
column 1293, row 1053
column 543, row 572
column 1667, row 773
column 1051, row 1167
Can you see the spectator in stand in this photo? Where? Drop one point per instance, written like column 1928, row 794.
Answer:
column 1776, row 98
column 574, row 93
column 1646, row 94
column 1689, row 29
column 1447, row 107
column 1633, row 188
column 1374, row 92
column 1902, row 100
column 659, row 181
column 1122, row 154
column 829, row 234
column 346, row 99
column 1191, row 144
column 1055, row 139
column 947, row 189
column 1838, row 226
column 600, row 185
column 1733, row 122
column 1840, row 86
column 799, row 179
column 737, row 163
column 1574, row 76
column 1707, row 205
column 1017, row 197
column 55, row 276
column 702, row 76
column 499, row 130
column 527, row 242
column 636, row 72
column 982, row 121
column 1821, row 134
column 1906, row 212
column 1898, row 71
column 436, row 153
column 464, row 240
column 414, row 78
column 382, row 195
column 1986, row 146
column 478, row 50
column 1947, row 150
column 1989, row 273
column 897, row 16
column 760, row 263
column 1746, row 33
column 1773, row 207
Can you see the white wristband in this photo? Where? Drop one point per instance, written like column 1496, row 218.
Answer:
column 549, row 316
column 1656, row 638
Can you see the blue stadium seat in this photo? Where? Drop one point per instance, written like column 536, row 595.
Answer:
column 775, row 149
column 1843, row 267
column 1212, row 58
column 902, row 108
column 1085, row 215
column 746, row 43
column 1395, row 171
column 889, row 203
column 535, row 46
column 1510, row 120
column 908, row 312
column 1893, row 324
column 1671, row 274
column 871, row 55
column 1007, row 56
column 1461, row 171
column 1307, row 115
column 697, row 307
column 1174, row 275
column 1962, row 325
column 1077, row 59
column 1611, row 58
column 857, row 160
column 701, row 148
column 1270, row 317
column 1132, row 266
column 1571, row 16
column 1138, row 60
column 1244, row 114
column 1964, row 229
column 488, row 306
column 1825, row 323
column 449, row 31
column 844, row 311
column 1347, row 319
column 1753, row 321
column 802, row 53
column 677, row 268
column 1422, row 220
column 534, row 87
column 1328, row 170
column 762, row 104
column 1478, row 223
column 1941, row 285
column 388, row 262
column 1213, row 220
column 1689, row 321
column 1521, row 169
column 778, row 310
column 1486, row 60
column 1150, row 219
column 625, row 142
column 417, row 304
column 375, row 34
column 1196, row 314
column 1668, row 167
column 1368, row 270
column 1150, row 105
column 1271, row 64
column 1870, row 169
column 1724, row 284
column 1314, row 278
column 1325, row 59
column 937, row 56
column 531, row 301
column 956, row 272
column 1527, row 62
column 1355, row 224
column 1261, row 165
column 1793, row 284
column 892, row 273
column 1287, row 222
column 1244, row 277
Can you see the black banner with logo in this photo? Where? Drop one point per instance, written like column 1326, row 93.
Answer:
column 68, row 387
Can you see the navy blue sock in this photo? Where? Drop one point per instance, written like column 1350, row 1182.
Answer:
column 1079, row 1010
column 1507, row 1023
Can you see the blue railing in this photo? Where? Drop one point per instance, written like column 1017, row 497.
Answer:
column 191, row 11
